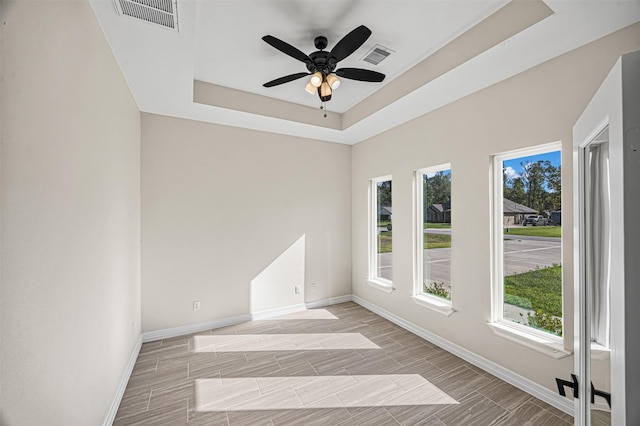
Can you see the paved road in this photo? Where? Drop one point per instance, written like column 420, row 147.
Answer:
column 531, row 238
column 520, row 255
column 441, row 231
column 525, row 255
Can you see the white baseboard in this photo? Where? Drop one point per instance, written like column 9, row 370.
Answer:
column 328, row 302
column 270, row 313
column 497, row 370
column 122, row 386
column 151, row 336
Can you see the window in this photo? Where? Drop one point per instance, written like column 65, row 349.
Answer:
column 528, row 242
column 381, row 233
column 433, row 238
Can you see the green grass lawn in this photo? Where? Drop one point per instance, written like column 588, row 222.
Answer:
column 430, row 241
column 437, row 241
column 536, row 231
column 539, row 291
column 384, row 242
column 437, row 225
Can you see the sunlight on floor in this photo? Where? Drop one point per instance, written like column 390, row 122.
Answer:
column 281, row 342
column 278, row 393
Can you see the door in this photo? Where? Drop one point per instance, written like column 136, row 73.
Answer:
column 606, row 176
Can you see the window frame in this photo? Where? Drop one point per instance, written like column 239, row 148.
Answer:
column 429, row 301
column 541, row 341
column 373, row 279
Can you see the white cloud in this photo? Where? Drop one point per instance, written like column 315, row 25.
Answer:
column 511, row 174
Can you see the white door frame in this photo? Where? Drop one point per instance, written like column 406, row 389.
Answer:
column 616, row 104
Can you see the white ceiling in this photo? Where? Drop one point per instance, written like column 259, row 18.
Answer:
column 430, row 25
column 219, row 42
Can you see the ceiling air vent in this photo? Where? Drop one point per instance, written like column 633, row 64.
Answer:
column 158, row 12
column 377, row 54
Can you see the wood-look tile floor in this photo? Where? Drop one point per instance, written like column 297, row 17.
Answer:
column 172, row 378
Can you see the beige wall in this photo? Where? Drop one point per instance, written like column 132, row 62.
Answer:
column 535, row 107
column 70, row 296
column 223, row 207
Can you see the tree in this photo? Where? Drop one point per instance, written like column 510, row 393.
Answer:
column 538, row 186
column 437, row 188
column 384, row 194
column 513, row 189
column 533, row 178
column 554, row 185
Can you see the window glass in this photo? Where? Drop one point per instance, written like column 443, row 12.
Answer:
column 433, row 231
column 531, row 239
column 382, row 219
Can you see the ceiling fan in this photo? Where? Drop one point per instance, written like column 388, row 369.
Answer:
column 321, row 65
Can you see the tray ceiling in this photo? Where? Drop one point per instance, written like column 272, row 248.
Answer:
column 213, row 68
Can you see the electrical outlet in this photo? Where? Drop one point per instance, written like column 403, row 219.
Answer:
column 297, row 289
column 196, row 305
column 313, row 286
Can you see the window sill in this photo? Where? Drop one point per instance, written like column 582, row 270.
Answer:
column 599, row 352
column 547, row 346
column 440, row 306
column 381, row 284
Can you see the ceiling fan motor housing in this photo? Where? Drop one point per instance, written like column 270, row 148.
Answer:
column 320, row 61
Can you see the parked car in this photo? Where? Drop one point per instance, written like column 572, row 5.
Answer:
column 555, row 218
column 538, row 220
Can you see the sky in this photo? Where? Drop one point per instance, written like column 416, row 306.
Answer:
column 446, row 172
column 513, row 168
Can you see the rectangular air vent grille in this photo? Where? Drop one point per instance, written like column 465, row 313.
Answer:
column 377, row 54
column 157, row 12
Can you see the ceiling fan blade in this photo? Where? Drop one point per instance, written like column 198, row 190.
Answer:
column 285, row 79
column 286, row 48
column 350, row 43
column 360, row 74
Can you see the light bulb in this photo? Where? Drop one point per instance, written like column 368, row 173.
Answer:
column 310, row 88
column 316, row 79
column 333, row 81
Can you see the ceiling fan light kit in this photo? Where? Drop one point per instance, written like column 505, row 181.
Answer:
column 321, row 65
